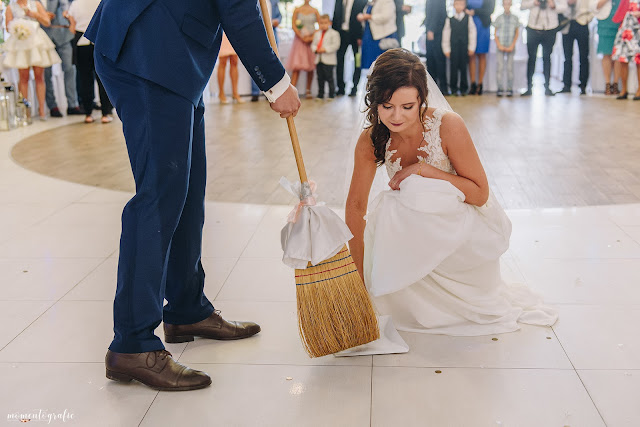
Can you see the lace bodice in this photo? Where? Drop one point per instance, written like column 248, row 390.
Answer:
column 434, row 155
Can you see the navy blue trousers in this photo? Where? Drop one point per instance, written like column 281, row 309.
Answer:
column 161, row 241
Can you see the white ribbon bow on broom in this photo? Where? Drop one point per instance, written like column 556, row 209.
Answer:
column 313, row 232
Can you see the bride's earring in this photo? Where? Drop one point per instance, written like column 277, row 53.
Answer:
column 378, row 119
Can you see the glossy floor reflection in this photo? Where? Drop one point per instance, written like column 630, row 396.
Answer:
column 538, row 152
column 58, row 249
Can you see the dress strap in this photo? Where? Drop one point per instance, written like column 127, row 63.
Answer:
column 437, row 117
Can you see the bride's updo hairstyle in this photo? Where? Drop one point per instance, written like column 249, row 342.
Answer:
column 394, row 69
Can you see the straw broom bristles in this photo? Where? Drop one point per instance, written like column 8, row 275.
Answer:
column 334, row 308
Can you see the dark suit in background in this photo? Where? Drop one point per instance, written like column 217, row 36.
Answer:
column 436, row 15
column 400, row 19
column 349, row 37
column 155, row 58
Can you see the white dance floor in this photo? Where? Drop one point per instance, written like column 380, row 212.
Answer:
column 58, row 258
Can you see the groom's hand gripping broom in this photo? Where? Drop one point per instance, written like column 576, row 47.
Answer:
column 334, row 309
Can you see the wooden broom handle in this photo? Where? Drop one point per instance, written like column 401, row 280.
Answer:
column 266, row 18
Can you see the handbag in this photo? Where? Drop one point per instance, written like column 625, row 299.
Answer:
column 387, row 43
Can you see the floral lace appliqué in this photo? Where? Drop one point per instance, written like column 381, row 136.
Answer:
column 435, row 156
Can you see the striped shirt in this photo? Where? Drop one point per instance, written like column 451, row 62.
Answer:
column 506, row 26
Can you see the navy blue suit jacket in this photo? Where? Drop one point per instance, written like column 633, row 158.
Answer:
column 175, row 43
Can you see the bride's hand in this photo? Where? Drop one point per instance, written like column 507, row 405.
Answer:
column 420, row 168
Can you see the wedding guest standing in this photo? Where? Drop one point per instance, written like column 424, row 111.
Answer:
column 507, row 28
column 345, row 22
column 29, row 47
column 626, row 47
column 579, row 14
column 62, row 38
column 541, row 30
column 607, row 30
column 325, row 44
column 301, row 58
column 379, row 20
column 79, row 15
column 481, row 11
column 459, row 44
column 435, row 16
column 227, row 54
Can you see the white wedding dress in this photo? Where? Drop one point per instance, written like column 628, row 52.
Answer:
column 432, row 262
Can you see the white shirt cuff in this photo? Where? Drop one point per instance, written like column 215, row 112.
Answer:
column 276, row 91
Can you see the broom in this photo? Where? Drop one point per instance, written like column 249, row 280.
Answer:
column 334, row 309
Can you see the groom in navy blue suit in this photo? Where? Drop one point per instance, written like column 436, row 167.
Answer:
column 155, row 58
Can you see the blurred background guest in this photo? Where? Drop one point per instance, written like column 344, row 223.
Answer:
column 29, row 47
column 227, row 54
column 607, row 30
column 436, row 15
column 345, row 22
column 79, row 14
column 481, row 11
column 60, row 35
column 301, row 58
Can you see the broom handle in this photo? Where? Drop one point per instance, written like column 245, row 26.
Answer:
column 292, row 126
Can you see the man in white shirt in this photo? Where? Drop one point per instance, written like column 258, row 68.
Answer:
column 579, row 15
column 541, row 30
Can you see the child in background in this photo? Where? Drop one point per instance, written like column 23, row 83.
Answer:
column 507, row 31
column 326, row 43
column 458, row 44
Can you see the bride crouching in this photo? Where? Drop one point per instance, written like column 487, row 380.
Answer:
column 429, row 248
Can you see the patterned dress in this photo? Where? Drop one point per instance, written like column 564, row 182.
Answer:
column 626, row 47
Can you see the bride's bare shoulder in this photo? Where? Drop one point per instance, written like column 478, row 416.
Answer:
column 452, row 121
column 364, row 146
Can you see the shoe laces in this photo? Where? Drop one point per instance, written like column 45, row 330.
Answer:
column 164, row 354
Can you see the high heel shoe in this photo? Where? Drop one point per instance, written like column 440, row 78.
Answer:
column 623, row 96
column 238, row 100
column 308, row 94
column 636, row 97
column 224, row 100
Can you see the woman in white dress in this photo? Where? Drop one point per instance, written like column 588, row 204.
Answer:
column 429, row 248
column 29, row 46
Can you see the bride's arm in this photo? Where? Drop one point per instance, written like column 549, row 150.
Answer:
column 458, row 146
column 364, row 170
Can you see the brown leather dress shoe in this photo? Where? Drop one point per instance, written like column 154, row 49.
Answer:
column 214, row 327
column 156, row 369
